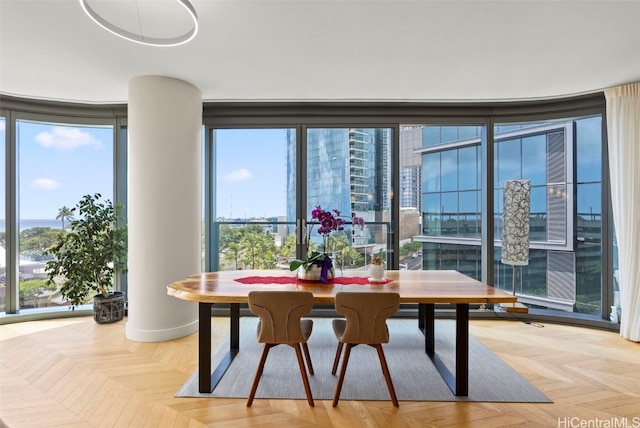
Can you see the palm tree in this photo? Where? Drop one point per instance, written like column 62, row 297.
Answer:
column 233, row 253
column 65, row 213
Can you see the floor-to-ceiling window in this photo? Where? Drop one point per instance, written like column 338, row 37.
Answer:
column 51, row 154
column 349, row 169
column 448, row 191
column 253, row 170
column 543, row 154
column 58, row 164
column 417, row 173
column 259, row 214
column 448, row 160
column 589, row 218
column 441, row 172
column 563, row 160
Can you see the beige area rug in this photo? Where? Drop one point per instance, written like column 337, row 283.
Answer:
column 414, row 376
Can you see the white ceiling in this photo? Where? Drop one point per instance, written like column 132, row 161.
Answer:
column 329, row 50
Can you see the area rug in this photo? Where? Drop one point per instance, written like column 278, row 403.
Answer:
column 414, row 376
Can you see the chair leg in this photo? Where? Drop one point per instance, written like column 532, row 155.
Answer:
column 337, row 358
column 256, row 380
column 343, row 370
column 307, row 357
column 303, row 372
column 387, row 375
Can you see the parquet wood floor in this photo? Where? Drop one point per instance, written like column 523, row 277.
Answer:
column 76, row 373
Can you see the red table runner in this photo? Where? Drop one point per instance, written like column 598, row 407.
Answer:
column 343, row 280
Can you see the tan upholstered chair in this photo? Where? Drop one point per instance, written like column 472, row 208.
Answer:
column 365, row 323
column 280, row 323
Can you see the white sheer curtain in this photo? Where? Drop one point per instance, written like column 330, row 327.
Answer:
column 623, row 128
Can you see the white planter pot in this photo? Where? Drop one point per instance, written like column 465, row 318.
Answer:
column 376, row 272
column 313, row 273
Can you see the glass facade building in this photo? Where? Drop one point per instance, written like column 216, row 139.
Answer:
column 348, row 169
column 563, row 161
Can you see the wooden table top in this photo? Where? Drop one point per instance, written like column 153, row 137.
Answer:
column 414, row 286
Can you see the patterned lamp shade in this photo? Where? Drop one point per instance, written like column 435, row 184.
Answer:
column 515, row 235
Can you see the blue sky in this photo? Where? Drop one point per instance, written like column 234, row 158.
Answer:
column 60, row 164
column 251, row 172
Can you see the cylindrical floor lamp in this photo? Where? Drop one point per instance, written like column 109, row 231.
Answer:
column 515, row 231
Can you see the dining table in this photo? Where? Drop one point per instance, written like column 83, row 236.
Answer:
column 426, row 288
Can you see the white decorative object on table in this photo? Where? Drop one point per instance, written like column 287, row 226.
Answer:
column 376, row 272
column 376, row 268
column 313, row 273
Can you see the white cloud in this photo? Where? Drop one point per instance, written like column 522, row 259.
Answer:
column 63, row 138
column 44, row 184
column 239, row 175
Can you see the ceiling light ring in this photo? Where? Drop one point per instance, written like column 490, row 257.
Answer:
column 152, row 41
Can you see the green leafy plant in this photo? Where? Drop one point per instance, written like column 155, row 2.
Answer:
column 377, row 259
column 86, row 257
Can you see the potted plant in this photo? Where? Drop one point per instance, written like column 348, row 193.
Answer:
column 318, row 265
column 86, row 257
column 376, row 270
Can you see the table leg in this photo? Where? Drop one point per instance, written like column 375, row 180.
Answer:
column 234, row 327
column 428, row 318
column 207, row 380
column 459, row 384
column 462, row 349
column 204, row 347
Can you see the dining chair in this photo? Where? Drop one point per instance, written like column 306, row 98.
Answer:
column 280, row 323
column 365, row 322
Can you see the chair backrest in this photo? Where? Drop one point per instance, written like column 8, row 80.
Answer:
column 280, row 313
column 366, row 314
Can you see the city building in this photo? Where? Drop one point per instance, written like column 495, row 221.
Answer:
column 559, row 158
column 347, row 170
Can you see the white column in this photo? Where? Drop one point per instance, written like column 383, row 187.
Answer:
column 163, row 206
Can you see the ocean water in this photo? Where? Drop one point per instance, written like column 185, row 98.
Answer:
column 29, row 223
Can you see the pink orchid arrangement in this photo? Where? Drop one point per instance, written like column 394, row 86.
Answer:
column 329, row 221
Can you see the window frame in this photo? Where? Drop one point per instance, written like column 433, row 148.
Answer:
column 338, row 114
column 50, row 112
